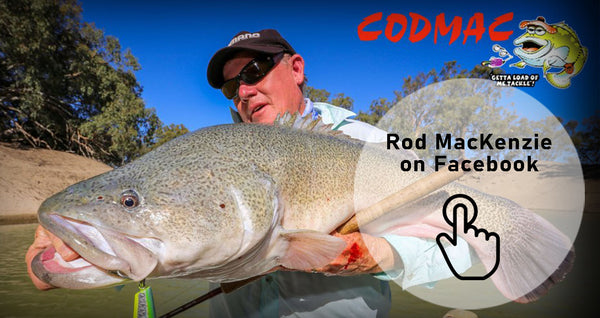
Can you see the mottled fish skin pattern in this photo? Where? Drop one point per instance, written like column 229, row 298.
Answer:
column 218, row 198
column 191, row 191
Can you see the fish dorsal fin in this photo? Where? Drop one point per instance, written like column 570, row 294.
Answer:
column 307, row 123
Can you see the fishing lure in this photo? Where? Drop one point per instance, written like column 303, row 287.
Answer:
column 143, row 305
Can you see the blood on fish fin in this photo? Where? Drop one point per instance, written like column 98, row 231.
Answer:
column 529, row 258
column 310, row 249
column 307, row 123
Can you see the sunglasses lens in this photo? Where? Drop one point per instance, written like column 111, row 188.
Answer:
column 250, row 74
column 230, row 88
column 255, row 71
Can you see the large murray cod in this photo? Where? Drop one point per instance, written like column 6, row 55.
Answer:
column 230, row 202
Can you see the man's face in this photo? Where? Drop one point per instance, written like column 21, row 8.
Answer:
column 278, row 92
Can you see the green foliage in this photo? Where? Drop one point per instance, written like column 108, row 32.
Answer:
column 377, row 109
column 166, row 133
column 343, row 101
column 322, row 95
column 316, row 95
column 420, row 117
column 65, row 85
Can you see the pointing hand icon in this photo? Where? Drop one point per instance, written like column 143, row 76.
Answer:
column 464, row 226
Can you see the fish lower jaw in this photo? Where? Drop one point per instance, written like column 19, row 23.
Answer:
column 51, row 268
column 54, row 263
column 105, row 249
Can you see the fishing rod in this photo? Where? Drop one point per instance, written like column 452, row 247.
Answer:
column 409, row 194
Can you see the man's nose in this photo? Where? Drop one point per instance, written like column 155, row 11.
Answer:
column 246, row 90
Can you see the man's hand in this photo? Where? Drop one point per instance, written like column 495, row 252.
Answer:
column 43, row 240
column 363, row 254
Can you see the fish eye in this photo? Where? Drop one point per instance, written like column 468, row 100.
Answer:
column 540, row 31
column 503, row 53
column 130, row 199
column 531, row 29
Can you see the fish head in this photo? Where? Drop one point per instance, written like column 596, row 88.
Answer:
column 544, row 42
column 106, row 222
column 142, row 220
column 532, row 46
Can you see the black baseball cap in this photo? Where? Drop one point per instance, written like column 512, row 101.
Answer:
column 267, row 41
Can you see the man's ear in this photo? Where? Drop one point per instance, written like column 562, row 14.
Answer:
column 297, row 63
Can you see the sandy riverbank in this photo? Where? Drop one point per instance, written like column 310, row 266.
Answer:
column 29, row 176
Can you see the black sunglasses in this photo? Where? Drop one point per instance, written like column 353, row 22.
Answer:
column 251, row 73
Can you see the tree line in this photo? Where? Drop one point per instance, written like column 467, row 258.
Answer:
column 65, row 85
column 428, row 103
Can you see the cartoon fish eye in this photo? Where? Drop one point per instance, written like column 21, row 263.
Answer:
column 540, row 31
column 130, row 199
column 531, row 29
column 496, row 47
column 503, row 53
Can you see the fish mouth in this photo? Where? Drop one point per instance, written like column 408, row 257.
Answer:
column 107, row 256
column 531, row 45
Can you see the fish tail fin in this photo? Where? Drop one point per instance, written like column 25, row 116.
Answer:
column 534, row 256
column 559, row 274
column 559, row 80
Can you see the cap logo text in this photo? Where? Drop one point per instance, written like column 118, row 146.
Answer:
column 243, row 37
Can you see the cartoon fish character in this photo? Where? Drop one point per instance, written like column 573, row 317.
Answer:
column 550, row 46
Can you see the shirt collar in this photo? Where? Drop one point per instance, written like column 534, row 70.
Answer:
column 330, row 114
column 308, row 108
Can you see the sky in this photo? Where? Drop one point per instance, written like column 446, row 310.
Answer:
column 174, row 41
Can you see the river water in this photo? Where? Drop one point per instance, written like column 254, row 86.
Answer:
column 574, row 297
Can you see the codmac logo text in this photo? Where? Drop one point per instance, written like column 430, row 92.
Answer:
column 420, row 27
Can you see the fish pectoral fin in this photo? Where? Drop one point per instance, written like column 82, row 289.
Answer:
column 519, row 64
column 546, row 66
column 310, row 249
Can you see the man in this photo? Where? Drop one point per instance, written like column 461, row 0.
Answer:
column 264, row 76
